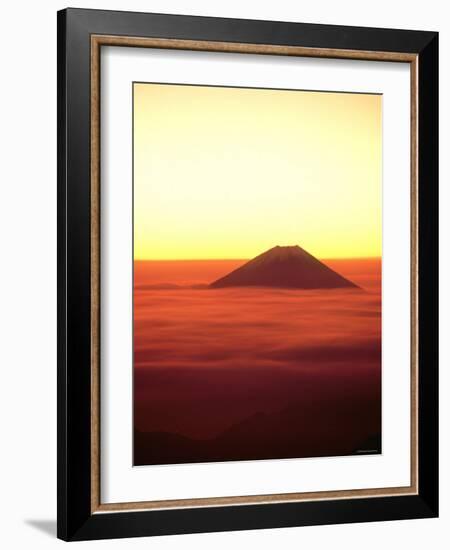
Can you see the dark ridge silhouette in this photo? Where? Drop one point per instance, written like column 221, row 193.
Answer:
column 284, row 267
column 166, row 448
column 297, row 431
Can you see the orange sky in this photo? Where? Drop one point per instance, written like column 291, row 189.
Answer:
column 229, row 172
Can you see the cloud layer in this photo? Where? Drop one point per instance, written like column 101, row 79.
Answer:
column 206, row 359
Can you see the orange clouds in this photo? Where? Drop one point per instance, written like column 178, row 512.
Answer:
column 208, row 359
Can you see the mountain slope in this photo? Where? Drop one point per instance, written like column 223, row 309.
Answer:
column 284, row 267
column 302, row 429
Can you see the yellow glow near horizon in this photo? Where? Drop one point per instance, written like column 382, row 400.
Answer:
column 230, row 172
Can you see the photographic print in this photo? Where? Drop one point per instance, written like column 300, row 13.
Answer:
column 247, row 274
column 257, row 273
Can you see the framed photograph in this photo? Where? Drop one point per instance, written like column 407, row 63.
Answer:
column 247, row 257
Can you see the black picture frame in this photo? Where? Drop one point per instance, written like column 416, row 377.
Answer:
column 75, row 518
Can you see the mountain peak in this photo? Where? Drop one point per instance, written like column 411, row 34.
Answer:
column 284, row 267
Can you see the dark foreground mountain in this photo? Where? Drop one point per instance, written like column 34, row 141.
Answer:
column 284, row 267
column 300, row 430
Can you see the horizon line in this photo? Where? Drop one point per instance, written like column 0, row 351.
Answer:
column 247, row 259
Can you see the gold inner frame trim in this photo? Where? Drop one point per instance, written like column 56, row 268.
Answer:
column 97, row 41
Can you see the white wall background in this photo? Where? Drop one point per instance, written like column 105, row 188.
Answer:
column 28, row 272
